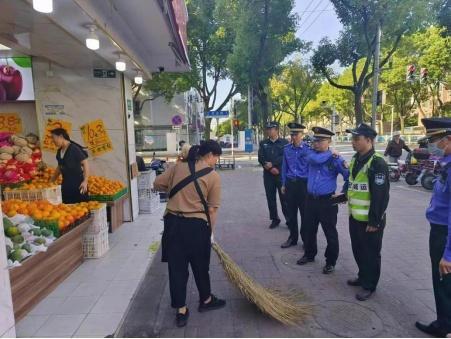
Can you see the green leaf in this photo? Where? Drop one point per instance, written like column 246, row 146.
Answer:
column 24, row 62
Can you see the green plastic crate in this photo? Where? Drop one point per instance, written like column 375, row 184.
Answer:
column 108, row 197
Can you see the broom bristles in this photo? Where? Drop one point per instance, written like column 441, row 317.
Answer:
column 275, row 304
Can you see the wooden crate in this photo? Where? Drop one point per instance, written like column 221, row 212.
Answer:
column 40, row 274
column 115, row 213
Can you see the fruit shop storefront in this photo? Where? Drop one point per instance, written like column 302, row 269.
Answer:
column 76, row 67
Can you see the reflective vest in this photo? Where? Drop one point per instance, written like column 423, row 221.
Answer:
column 359, row 195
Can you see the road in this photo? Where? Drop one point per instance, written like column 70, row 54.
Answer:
column 403, row 296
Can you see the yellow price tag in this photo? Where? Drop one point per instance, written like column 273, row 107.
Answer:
column 51, row 125
column 10, row 122
column 96, row 137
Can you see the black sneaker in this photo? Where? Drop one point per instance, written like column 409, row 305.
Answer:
column 432, row 329
column 288, row 243
column 274, row 224
column 182, row 319
column 328, row 269
column 214, row 304
column 364, row 295
column 304, row 260
column 354, row 282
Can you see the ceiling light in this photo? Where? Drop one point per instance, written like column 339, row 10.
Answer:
column 121, row 66
column 43, row 6
column 138, row 78
column 92, row 40
column 4, row 48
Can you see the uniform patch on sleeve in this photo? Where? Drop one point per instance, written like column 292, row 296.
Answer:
column 379, row 179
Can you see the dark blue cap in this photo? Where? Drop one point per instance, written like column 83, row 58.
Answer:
column 295, row 127
column 363, row 129
column 272, row 124
column 437, row 127
column 322, row 133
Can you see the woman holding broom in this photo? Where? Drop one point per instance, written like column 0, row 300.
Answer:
column 194, row 198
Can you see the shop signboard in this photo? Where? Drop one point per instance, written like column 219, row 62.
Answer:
column 16, row 79
column 48, row 144
column 104, row 73
column 248, row 143
column 10, row 122
column 96, row 138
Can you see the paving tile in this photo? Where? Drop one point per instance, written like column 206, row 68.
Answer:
column 121, row 287
column 92, row 289
column 65, row 289
column 99, row 324
column 111, row 304
column 60, row 326
column 76, row 305
column 48, row 306
column 28, row 326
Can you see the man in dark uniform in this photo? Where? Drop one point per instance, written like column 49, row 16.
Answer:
column 438, row 134
column 270, row 156
column 324, row 168
column 368, row 195
column 294, row 180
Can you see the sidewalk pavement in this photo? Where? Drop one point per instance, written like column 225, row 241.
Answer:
column 403, row 296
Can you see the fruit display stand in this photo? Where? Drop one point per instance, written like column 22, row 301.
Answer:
column 41, row 273
column 115, row 212
column 51, row 194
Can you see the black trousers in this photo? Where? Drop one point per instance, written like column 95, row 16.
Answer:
column 321, row 211
column 296, row 194
column 187, row 242
column 442, row 286
column 366, row 247
column 272, row 186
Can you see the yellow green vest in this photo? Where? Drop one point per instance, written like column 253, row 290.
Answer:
column 359, row 195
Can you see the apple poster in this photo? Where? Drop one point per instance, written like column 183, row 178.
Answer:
column 16, row 79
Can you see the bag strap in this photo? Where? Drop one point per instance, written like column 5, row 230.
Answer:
column 191, row 165
column 189, row 179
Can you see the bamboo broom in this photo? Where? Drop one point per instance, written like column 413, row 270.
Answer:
column 277, row 305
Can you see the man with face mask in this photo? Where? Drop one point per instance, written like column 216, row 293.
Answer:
column 438, row 135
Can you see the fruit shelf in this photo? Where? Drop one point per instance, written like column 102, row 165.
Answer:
column 106, row 198
column 51, row 194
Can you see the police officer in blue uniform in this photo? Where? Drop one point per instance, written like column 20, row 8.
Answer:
column 324, row 168
column 438, row 134
column 294, row 181
column 270, row 156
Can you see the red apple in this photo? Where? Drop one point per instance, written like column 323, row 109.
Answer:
column 12, row 81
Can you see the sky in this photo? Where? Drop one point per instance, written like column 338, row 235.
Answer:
column 317, row 20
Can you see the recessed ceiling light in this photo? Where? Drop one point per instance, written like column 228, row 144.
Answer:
column 43, row 6
column 4, row 48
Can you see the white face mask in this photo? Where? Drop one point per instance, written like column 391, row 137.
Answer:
column 435, row 150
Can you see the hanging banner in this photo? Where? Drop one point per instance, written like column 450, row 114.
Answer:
column 96, row 138
column 48, row 144
column 10, row 122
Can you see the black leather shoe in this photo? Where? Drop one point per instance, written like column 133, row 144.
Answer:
column 354, row 282
column 214, row 304
column 274, row 224
column 364, row 295
column 304, row 260
column 431, row 329
column 288, row 243
column 182, row 319
column 328, row 269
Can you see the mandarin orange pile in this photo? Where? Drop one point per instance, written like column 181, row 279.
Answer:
column 43, row 210
column 98, row 185
column 45, row 175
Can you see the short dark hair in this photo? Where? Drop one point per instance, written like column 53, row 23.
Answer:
column 205, row 147
column 181, row 143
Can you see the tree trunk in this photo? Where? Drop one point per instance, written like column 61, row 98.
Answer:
column 207, row 131
column 401, row 123
column 358, row 106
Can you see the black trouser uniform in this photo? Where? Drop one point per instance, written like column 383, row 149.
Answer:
column 273, row 185
column 442, row 286
column 295, row 195
column 366, row 247
column 187, row 241
column 320, row 210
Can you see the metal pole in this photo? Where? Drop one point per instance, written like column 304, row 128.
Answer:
column 197, row 123
column 249, row 106
column 376, row 76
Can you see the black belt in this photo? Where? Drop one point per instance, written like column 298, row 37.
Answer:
column 297, row 179
column 320, row 197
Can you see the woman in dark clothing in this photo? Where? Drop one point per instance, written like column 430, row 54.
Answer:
column 73, row 166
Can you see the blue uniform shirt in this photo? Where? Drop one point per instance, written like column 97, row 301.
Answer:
column 324, row 168
column 439, row 210
column 295, row 165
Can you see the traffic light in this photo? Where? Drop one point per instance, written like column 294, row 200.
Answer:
column 424, row 73
column 236, row 123
column 410, row 74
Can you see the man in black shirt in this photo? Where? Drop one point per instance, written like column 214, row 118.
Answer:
column 270, row 156
column 368, row 195
column 395, row 147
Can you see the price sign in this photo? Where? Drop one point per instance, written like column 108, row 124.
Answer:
column 48, row 144
column 96, row 137
column 10, row 122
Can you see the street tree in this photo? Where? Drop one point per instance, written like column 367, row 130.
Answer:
column 357, row 40
column 294, row 88
column 265, row 36
column 210, row 41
